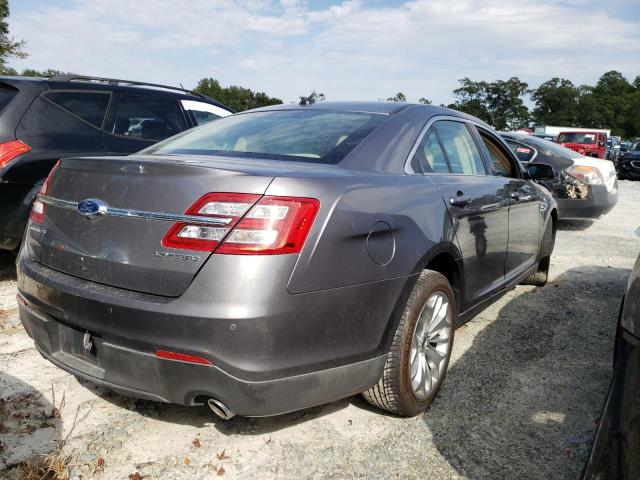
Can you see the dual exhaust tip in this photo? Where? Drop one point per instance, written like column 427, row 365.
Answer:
column 220, row 409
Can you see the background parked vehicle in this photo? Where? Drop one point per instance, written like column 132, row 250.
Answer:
column 545, row 131
column 589, row 144
column 583, row 187
column 617, row 443
column 629, row 162
column 45, row 119
column 283, row 257
column 613, row 149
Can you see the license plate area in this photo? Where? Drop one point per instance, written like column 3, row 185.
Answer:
column 80, row 343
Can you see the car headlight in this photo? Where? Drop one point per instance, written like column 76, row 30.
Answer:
column 588, row 175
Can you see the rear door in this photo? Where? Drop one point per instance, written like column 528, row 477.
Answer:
column 524, row 210
column 137, row 121
column 477, row 203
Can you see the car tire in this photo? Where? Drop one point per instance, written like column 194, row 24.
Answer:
column 419, row 356
column 539, row 278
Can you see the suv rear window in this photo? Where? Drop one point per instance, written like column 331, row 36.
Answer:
column 7, row 93
column 89, row 106
column 302, row 135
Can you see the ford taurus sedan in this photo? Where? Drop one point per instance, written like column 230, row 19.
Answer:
column 284, row 257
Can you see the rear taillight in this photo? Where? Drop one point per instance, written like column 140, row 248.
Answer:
column 266, row 226
column 37, row 211
column 10, row 150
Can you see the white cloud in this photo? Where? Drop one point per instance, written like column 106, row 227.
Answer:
column 349, row 50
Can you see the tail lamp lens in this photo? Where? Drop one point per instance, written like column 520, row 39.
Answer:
column 10, row 150
column 267, row 226
column 37, row 211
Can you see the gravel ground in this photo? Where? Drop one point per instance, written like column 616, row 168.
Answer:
column 521, row 399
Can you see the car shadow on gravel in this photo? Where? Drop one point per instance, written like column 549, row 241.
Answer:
column 7, row 266
column 575, row 225
column 200, row 416
column 523, row 400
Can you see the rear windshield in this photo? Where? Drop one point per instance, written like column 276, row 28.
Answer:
column 577, row 137
column 301, row 135
column 7, row 94
column 549, row 147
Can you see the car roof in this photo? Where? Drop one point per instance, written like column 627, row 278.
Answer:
column 379, row 107
column 79, row 82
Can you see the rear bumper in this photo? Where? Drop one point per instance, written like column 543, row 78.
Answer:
column 599, row 202
column 15, row 206
column 323, row 346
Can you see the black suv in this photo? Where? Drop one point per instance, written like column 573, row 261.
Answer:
column 45, row 119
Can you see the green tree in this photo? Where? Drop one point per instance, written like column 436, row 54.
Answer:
column 498, row 103
column 398, row 97
column 556, row 102
column 238, row 98
column 470, row 98
column 312, row 98
column 424, row 100
column 8, row 46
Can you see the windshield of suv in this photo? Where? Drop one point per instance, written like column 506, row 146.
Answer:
column 301, row 135
column 577, row 137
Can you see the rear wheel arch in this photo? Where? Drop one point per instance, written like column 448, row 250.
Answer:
column 441, row 258
column 445, row 263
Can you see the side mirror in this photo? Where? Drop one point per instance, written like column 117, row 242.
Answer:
column 540, row 171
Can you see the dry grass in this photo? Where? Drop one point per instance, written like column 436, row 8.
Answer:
column 53, row 466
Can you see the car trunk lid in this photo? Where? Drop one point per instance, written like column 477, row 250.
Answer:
column 124, row 249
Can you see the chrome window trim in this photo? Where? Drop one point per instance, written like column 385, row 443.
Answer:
column 143, row 214
column 407, row 164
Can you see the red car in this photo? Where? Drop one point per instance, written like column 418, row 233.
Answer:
column 589, row 144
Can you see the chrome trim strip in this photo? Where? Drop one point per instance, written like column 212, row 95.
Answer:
column 143, row 214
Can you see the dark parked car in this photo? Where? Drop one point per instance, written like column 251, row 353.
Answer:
column 45, row 119
column 583, row 187
column 616, row 450
column 613, row 149
column 284, row 257
column 629, row 162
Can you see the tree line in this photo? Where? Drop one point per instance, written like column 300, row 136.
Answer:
column 613, row 102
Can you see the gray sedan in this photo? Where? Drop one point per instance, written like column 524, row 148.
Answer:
column 283, row 257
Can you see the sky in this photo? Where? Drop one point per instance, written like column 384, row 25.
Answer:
column 349, row 50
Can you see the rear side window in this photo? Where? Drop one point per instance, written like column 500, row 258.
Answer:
column 429, row 157
column 319, row 136
column 89, row 106
column 462, row 151
column 148, row 117
column 502, row 166
column 7, row 93
column 202, row 113
column 524, row 152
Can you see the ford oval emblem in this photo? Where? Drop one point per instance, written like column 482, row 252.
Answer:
column 92, row 208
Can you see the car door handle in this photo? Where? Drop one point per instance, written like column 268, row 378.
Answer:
column 460, row 201
column 515, row 196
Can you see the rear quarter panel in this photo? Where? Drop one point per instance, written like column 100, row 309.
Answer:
column 370, row 227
